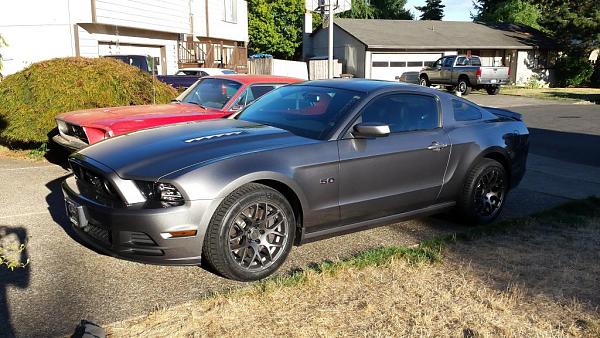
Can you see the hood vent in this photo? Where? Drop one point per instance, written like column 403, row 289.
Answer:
column 210, row 137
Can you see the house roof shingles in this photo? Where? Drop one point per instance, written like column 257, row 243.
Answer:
column 424, row 34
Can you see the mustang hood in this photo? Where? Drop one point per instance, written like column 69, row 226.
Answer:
column 152, row 153
column 124, row 119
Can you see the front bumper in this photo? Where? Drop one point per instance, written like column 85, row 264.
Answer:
column 135, row 233
column 71, row 143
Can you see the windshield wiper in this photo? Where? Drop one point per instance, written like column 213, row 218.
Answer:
column 199, row 104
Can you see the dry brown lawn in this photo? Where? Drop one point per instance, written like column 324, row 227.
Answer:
column 540, row 281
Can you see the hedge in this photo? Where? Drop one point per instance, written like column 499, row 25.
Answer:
column 31, row 98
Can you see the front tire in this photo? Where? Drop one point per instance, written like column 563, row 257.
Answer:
column 251, row 233
column 463, row 86
column 424, row 81
column 484, row 192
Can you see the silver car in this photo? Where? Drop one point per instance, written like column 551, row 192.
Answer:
column 304, row 162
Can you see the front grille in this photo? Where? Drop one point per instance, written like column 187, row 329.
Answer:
column 95, row 186
column 77, row 131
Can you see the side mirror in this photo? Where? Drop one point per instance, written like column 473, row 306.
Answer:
column 438, row 67
column 367, row 129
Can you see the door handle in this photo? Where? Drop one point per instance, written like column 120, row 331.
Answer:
column 436, row 146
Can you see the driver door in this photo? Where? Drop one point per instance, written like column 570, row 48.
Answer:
column 401, row 172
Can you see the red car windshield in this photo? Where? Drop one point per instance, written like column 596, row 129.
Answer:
column 212, row 93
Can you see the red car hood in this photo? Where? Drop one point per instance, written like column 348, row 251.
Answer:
column 122, row 120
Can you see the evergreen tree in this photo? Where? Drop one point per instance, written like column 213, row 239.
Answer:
column 433, row 10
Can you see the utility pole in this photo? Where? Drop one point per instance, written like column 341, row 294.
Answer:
column 330, row 45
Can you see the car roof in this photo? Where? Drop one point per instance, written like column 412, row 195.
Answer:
column 359, row 85
column 254, row 78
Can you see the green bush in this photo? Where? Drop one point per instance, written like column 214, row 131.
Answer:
column 573, row 71
column 31, row 98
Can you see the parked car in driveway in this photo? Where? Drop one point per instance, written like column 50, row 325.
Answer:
column 185, row 77
column 304, row 162
column 211, row 97
column 462, row 73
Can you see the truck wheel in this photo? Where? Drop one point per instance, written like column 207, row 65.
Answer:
column 484, row 192
column 463, row 87
column 493, row 90
column 250, row 234
column 424, row 81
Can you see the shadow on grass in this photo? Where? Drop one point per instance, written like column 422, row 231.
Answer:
column 595, row 98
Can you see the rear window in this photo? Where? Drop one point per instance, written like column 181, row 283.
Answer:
column 465, row 112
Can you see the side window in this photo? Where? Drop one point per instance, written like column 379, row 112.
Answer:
column 475, row 62
column 448, row 61
column 438, row 63
column 465, row 112
column 259, row 90
column 462, row 61
column 403, row 112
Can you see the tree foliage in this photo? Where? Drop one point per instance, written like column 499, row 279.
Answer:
column 378, row 9
column 276, row 26
column 433, row 10
column 511, row 11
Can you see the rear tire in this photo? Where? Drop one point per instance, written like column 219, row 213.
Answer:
column 484, row 193
column 493, row 90
column 250, row 234
column 423, row 81
column 463, row 86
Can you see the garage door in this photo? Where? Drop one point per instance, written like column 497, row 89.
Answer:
column 110, row 48
column 386, row 66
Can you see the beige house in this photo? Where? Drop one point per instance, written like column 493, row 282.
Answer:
column 385, row 49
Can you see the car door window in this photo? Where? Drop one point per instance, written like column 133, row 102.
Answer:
column 448, row 61
column 403, row 112
column 462, row 61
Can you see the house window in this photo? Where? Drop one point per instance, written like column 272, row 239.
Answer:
column 380, row 64
column 415, row 63
column 230, row 11
column 398, row 64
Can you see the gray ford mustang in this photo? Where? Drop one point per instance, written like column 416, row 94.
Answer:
column 304, row 162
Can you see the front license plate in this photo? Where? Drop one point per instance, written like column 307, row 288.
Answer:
column 74, row 212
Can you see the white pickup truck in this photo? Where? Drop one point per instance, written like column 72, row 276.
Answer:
column 462, row 73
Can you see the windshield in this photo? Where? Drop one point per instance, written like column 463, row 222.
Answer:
column 308, row 111
column 212, row 93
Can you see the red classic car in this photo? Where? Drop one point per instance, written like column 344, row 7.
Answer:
column 210, row 98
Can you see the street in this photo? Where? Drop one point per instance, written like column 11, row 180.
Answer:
column 67, row 282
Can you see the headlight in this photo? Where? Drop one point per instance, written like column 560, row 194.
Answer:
column 161, row 194
column 62, row 126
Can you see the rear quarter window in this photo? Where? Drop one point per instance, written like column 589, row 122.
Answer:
column 465, row 112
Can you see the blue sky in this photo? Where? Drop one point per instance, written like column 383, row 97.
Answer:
column 455, row 10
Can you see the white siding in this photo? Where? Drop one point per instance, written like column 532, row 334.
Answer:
column 221, row 29
column 159, row 15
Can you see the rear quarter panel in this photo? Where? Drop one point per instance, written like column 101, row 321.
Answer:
column 473, row 141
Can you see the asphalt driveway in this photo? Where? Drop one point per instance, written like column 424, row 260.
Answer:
column 67, row 282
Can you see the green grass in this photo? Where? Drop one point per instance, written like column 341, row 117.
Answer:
column 564, row 94
column 432, row 250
